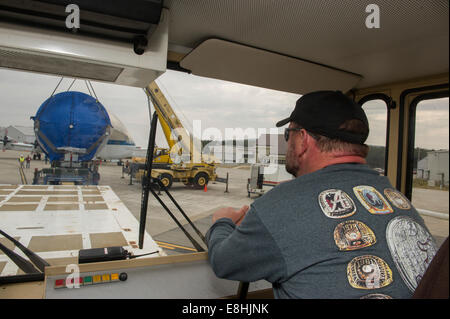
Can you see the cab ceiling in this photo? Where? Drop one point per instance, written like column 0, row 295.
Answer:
column 412, row 41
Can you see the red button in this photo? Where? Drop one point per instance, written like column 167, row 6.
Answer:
column 59, row 283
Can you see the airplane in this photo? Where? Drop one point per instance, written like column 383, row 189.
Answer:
column 15, row 146
column 10, row 144
column 120, row 144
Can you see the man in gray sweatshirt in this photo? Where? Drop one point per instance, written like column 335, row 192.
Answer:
column 338, row 230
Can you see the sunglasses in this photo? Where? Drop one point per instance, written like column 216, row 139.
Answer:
column 287, row 130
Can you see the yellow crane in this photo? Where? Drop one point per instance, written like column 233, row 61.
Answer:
column 185, row 163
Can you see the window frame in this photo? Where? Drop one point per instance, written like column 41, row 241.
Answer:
column 390, row 104
column 412, row 135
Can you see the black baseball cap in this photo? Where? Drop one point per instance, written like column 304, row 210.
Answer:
column 323, row 112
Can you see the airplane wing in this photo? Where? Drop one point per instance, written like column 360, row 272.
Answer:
column 17, row 146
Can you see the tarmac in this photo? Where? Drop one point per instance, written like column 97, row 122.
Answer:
column 199, row 205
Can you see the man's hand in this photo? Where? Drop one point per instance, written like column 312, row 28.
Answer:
column 229, row 212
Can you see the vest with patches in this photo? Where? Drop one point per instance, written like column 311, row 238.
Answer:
column 341, row 232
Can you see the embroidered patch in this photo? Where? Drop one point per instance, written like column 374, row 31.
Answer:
column 412, row 248
column 368, row 272
column 397, row 198
column 336, row 203
column 372, row 200
column 376, row 296
column 352, row 235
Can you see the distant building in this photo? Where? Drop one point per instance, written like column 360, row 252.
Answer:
column 272, row 144
column 250, row 150
column 434, row 167
column 226, row 152
column 21, row 134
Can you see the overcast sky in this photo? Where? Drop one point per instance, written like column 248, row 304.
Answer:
column 217, row 104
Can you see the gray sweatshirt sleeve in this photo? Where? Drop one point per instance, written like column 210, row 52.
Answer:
column 245, row 253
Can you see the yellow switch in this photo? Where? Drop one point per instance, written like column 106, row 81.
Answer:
column 114, row 277
column 96, row 279
column 105, row 278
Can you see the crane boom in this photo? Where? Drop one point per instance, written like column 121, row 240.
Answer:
column 171, row 125
column 186, row 163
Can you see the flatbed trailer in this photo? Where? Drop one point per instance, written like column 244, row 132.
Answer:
column 57, row 221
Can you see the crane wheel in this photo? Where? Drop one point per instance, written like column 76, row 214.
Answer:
column 166, row 179
column 200, row 180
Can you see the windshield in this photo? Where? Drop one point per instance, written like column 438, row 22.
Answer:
column 69, row 205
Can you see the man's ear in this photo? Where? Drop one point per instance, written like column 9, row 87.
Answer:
column 301, row 143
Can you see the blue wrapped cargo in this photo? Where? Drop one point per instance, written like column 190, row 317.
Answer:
column 71, row 121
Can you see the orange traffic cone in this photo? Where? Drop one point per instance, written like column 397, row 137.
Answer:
column 205, row 189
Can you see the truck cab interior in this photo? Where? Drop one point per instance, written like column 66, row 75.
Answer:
column 393, row 51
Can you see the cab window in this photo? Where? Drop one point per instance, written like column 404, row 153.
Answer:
column 376, row 111
column 430, row 182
